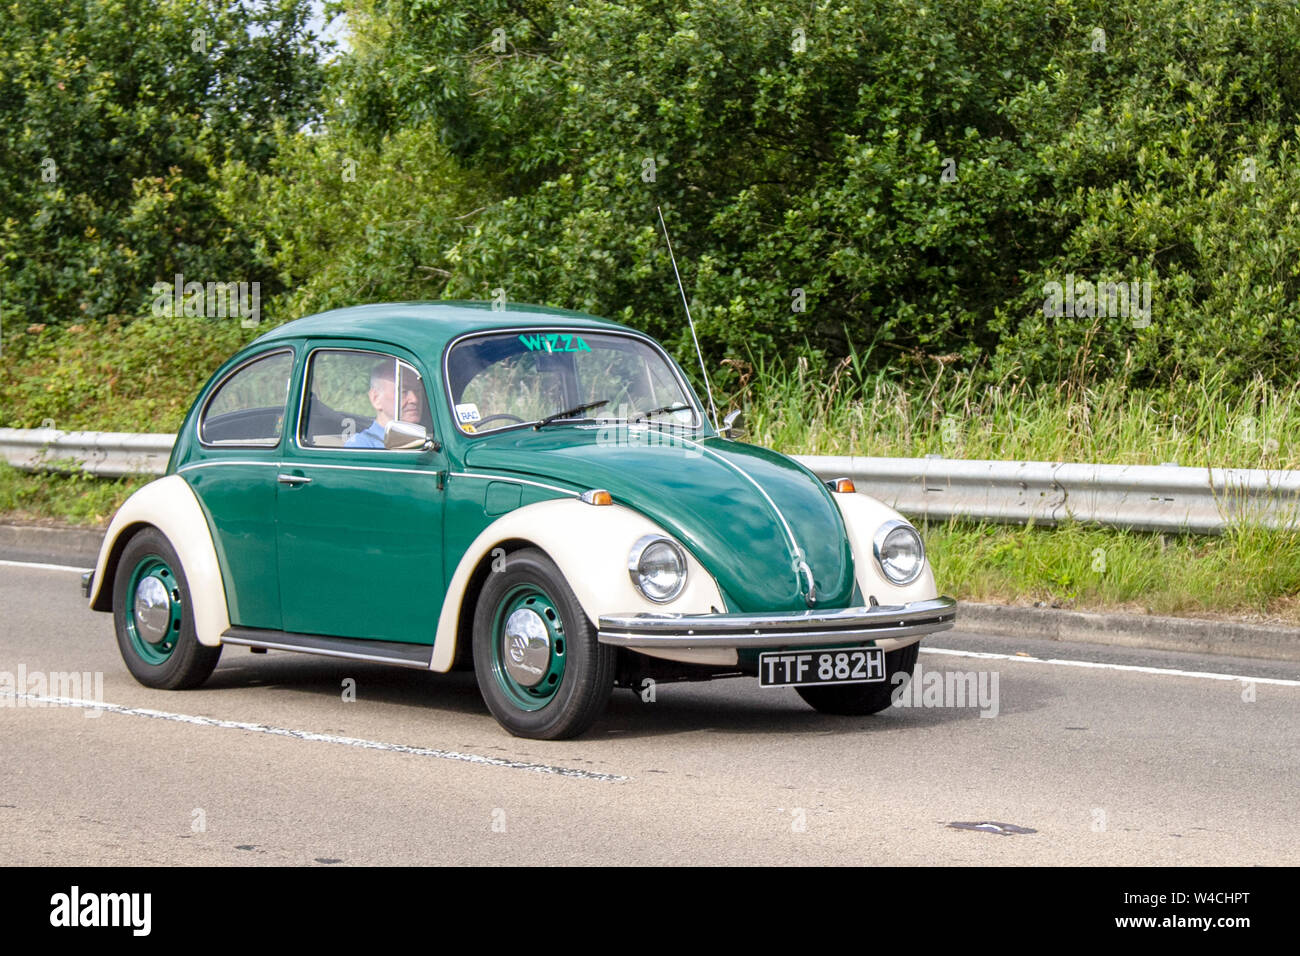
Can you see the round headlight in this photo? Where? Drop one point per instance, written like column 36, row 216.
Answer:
column 899, row 552
column 658, row 568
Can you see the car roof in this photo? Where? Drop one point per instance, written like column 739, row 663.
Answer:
column 425, row 327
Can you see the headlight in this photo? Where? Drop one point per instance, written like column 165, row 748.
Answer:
column 899, row 552
column 657, row 567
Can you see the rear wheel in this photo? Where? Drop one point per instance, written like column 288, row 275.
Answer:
column 539, row 666
column 855, row 700
column 154, row 619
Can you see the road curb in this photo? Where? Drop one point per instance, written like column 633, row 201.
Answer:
column 73, row 546
column 80, row 547
column 1191, row 635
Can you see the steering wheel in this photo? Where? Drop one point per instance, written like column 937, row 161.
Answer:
column 483, row 421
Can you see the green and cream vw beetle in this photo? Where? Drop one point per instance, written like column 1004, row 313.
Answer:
column 534, row 493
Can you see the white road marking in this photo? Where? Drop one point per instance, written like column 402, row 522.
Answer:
column 43, row 567
column 1208, row 675
column 312, row 735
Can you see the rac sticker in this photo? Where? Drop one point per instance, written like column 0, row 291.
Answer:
column 554, row 342
column 467, row 413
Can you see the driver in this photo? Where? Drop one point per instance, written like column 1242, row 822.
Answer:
column 385, row 398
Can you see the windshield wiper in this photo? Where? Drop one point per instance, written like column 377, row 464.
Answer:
column 570, row 412
column 675, row 406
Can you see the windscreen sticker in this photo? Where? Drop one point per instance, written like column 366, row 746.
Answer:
column 554, row 342
column 467, row 413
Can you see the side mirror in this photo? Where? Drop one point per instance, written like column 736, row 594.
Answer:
column 733, row 426
column 404, row 435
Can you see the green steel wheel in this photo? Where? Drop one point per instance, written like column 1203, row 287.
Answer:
column 539, row 666
column 153, row 617
column 153, row 610
column 528, row 647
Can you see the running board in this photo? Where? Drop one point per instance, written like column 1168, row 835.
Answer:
column 351, row 648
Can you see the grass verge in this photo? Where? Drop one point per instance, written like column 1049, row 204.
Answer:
column 1248, row 573
column 76, row 499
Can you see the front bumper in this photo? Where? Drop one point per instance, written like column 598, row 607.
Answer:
column 779, row 629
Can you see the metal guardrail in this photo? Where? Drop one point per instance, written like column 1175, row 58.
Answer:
column 1142, row 497
column 106, row 454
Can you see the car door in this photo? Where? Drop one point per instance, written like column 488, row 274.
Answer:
column 232, row 473
column 359, row 527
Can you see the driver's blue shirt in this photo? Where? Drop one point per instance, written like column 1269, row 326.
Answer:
column 372, row 437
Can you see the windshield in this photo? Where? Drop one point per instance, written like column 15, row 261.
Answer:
column 505, row 379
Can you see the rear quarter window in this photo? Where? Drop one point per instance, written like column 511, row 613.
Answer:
column 248, row 407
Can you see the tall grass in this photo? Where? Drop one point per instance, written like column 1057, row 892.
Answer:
column 953, row 414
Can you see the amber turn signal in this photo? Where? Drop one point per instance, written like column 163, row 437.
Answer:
column 597, row 496
column 842, row 485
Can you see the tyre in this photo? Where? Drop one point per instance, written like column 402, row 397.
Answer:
column 539, row 666
column 855, row 700
column 154, row 618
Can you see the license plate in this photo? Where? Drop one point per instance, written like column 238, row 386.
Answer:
column 832, row 665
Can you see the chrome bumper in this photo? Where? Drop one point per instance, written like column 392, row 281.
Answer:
column 780, row 629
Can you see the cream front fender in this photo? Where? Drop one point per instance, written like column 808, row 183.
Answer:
column 863, row 515
column 169, row 505
column 590, row 544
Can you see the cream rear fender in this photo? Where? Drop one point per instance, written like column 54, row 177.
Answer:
column 863, row 516
column 169, row 505
column 590, row 544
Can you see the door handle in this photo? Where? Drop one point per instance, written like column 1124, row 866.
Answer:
column 293, row 480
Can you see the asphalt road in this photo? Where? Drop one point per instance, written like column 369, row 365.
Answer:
column 269, row 764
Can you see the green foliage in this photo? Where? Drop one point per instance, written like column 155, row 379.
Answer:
column 114, row 116
column 113, row 375
column 1169, row 157
column 805, row 147
column 343, row 222
column 792, row 148
column 920, row 172
column 78, row 499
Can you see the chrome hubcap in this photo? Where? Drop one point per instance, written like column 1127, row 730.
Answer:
column 526, row 647
column 152, row 609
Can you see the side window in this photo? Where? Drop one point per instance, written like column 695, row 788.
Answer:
column 248, row 407
column 351, row 395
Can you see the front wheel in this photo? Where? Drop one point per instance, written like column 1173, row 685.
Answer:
column 154, row 618
column 856, row 700
column 539, row 666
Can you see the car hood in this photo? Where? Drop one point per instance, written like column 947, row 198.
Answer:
column 745, row 512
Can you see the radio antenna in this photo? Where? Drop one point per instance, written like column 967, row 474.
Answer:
column 707, row 387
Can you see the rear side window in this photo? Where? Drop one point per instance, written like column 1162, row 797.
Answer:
column 248, row 407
